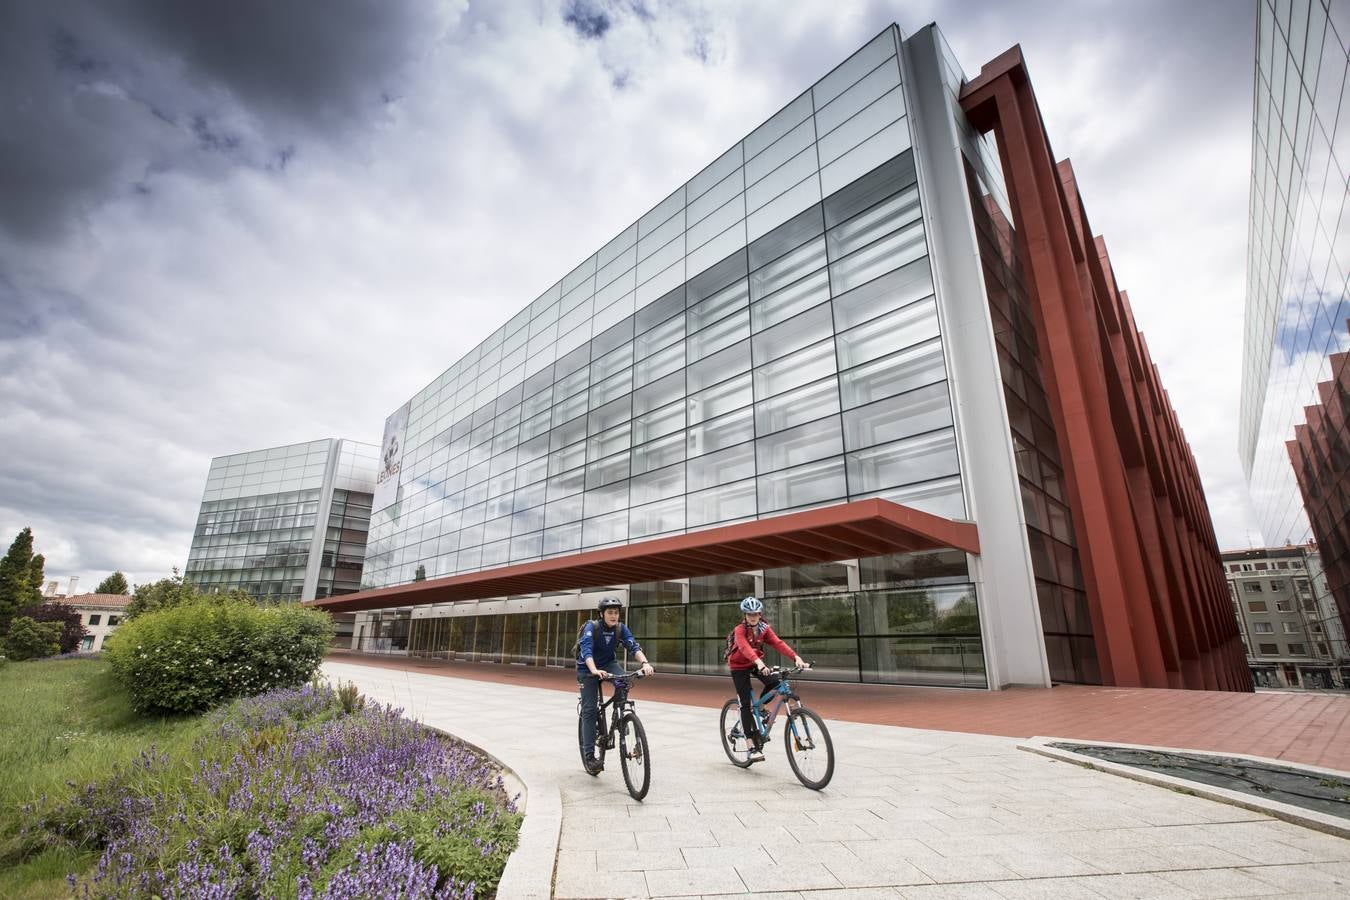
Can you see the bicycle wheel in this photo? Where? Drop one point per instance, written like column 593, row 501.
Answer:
column 737, row 748
column 810, row 751
column 634, row 755
column 599, row 744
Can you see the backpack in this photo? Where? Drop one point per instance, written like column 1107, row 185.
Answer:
column 576, row 647
column 731, row 638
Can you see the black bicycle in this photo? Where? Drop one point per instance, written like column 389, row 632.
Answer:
column 624, row 731
column 810, row 751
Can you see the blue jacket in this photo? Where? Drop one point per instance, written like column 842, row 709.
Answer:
column 601, row 643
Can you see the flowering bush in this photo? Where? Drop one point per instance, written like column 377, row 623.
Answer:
column 288, row 796
column 192, row 657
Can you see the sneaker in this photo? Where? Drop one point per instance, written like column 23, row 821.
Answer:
column 756, row 755
column 593, row 765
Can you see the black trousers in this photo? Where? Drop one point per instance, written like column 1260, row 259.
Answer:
column 741, row 678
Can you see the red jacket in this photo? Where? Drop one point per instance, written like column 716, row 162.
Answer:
column 749, row 646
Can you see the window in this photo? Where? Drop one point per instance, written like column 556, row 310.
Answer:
column 1298, row 650
column 1256, row 605
column 1284, row 605
column 95, row 618
column 1282, row 565
column 1252, row 587
column 113, row 620
column 1277, row 585
column 87, row 643
column 1261, row 567
column 1291, row 628
column 1263, row 628
column 1268, row 649
column 1246, row 567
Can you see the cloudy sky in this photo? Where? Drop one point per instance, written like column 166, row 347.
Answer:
column 231, row 226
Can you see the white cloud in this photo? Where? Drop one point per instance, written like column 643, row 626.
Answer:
column 305, row 283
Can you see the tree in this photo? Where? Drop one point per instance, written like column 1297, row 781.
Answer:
column 72, row 626
column 175, row 591
column 35, row 576
column 116, row 583
column 14, row 576
column 32, row 640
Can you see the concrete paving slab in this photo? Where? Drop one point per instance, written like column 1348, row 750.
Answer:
column 968, row 812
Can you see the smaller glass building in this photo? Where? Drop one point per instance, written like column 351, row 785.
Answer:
column 285, row 523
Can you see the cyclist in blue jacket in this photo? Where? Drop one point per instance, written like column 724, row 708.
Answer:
column 599, row 643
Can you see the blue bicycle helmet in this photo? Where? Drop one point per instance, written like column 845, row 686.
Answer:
column 752, row 605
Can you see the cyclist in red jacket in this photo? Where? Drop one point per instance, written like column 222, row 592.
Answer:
column 747, row 656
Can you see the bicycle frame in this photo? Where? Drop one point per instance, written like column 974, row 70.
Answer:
column 617, row 704
column 769, row 704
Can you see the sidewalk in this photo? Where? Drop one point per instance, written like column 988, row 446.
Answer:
column 1308, row 728
column 910, row 813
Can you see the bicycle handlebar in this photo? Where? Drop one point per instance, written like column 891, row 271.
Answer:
column 790, row 670
column 609, row 676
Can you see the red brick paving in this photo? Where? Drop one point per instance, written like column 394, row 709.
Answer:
column 1300, row 727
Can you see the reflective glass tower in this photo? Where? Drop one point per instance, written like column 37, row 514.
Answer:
column 286, row 523
column 1299, row 246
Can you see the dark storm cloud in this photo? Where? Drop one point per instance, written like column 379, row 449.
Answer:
column 96, row 99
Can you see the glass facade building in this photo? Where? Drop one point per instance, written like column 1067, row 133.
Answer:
column 1299, row 243
column 833, row 312
column 286, row 523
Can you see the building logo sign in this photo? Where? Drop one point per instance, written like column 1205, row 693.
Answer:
column 391, row 458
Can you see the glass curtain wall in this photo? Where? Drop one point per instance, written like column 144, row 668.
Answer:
column 898, row 619
column 763, row 341
column 1298, row 293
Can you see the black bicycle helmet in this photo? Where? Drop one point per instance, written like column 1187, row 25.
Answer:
column 609, row 601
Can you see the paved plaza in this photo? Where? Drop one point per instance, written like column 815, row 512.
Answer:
column 910, row 813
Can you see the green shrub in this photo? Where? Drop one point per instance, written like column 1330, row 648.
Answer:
column 191, row 657
column 30, row 639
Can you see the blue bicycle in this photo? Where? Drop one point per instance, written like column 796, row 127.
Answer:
column 810, row 751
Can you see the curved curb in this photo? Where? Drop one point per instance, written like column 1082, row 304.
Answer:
column 529, row 869
column 1297, row 815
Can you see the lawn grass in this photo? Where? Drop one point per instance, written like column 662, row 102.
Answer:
column 64, row 721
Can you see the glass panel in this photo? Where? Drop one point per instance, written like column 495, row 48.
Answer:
column 787, row 269
column 657, row 454
column 804, row 404
column 717, row 196
column 812, row 483
column 566, row 484
column 721, row 467
column 662, row 335
column 892, row 291
column 782, row 208
column 605, row 530
column 873, row 85
column 786, row 147
column 719, row 504
column 795, row 333
column 867, row 122
column 718, row 433
column 721, row 398
column 789, row 301
column 855, row 67
column 608, row 442
column 925, row 409
column 912, row 460
column 889, row 253
column 805, row 443
column 649, row 368
column 567, row 458
column 658, row 393
column 885, row 144
column 886, row 179
column 813, row 362
column 659, row 422
column 780, row 124
column 616, row 412
column 716, row 280
column 555, row 513
column 665, row 482
column 657, row 518
column 788, row 236
column 889, row 215
column 911, row 368
column 718, row 367
column 724, row 165
column 607, row 471
column 941, row 497
column 781, row 179
column 735, row 327
column 718, row 305
column 909, row 325
column 606, row 499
